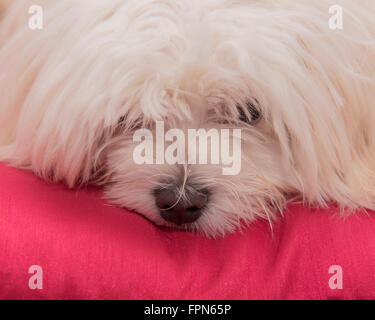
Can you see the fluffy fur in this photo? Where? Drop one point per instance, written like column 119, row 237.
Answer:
column 63, row 90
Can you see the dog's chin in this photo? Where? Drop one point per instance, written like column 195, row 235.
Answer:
column 139, row 199
column 144, row 205
column 164, row 225
column 222, row 216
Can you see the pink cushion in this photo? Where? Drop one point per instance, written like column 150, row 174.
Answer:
column 89, row 249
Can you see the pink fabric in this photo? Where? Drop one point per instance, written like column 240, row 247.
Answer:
column 91, row 250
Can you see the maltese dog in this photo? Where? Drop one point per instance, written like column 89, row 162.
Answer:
column 84, row 85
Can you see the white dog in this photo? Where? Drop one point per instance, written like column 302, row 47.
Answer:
column 73, row 93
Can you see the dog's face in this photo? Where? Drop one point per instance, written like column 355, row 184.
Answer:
column 199, row 196
column 265, row 68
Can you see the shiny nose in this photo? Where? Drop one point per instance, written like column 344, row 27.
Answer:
column 180, row 211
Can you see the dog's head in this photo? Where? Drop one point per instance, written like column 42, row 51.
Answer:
column 267, row 70
column 241, row 175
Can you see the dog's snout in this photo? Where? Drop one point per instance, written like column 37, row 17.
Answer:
column 180, row 210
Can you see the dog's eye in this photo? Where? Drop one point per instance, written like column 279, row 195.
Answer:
column 121, row 120
column 249, row 113
column 124, row 122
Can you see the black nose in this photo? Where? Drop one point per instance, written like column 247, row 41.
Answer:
column 180, row 211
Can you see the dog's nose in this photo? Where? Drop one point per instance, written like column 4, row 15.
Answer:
column 180, row 211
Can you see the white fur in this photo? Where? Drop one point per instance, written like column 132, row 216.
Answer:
column 63, row 90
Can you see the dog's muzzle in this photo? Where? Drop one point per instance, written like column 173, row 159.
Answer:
column 181, row 210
